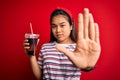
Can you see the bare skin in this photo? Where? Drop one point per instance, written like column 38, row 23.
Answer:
column 88, row 48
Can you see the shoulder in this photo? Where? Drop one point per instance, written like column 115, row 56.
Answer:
column 52, row 45
column 68, row 45
column 48, row 45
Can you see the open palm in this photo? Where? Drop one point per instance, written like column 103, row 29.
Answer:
column 88, row 48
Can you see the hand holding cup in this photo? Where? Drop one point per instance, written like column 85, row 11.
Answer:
column 30, row 43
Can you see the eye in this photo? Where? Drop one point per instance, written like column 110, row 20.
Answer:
column 62, row 25
column 53, row 26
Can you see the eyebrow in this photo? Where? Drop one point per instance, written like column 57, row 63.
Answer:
column 60, row 23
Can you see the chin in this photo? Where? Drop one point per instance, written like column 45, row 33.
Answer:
column 60, row 40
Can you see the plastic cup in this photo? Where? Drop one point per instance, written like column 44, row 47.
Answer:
column 32, row 40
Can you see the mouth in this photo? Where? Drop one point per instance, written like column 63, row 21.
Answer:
column 59, row 35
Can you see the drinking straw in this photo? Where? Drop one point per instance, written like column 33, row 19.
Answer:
column 31, row 28
column 32, row 35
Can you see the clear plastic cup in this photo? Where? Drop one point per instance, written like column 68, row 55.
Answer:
column 32, row 40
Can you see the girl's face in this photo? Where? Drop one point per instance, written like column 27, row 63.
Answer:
column 61, row 28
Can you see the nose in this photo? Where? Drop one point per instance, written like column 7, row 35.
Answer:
column 58, row 29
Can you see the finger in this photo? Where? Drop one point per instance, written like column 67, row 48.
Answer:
column 80, row 26
column 71, row 55
column 96, row 33
column 26, row 40
column 91, row 28
column 65, row 51
column 26, row 44
column 27, row 47
column 86, row 22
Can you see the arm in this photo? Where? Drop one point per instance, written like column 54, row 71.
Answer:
column 33, row 61
column 88, row 48
column 35, row 67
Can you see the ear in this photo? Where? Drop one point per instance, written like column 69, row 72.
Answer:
column 71, row 27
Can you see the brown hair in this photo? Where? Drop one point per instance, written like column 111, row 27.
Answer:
column 56, row 12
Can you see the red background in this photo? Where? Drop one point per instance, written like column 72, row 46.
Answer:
column 15, row 16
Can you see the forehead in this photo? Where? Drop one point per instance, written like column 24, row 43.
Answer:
column 59, row 18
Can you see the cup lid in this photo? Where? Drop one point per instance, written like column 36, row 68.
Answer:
column 29, row 35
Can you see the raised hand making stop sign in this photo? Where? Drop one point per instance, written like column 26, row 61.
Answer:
column 88, row 48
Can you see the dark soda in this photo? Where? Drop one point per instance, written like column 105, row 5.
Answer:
column 33, row 44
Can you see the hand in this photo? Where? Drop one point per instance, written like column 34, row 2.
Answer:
column 88, row 48
column 26, row 46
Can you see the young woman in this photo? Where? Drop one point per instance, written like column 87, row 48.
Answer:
column 67, row 54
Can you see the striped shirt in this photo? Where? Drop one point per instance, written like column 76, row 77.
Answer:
column 55, row 65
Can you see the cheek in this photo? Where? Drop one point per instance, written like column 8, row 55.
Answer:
column 53, row 31
column 67, row 31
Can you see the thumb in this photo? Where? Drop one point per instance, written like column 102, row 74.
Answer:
column 65, row 51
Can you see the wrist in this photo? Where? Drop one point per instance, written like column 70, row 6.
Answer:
column 32, row 57
column 88, row 69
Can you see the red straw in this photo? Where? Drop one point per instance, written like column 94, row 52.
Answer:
column 31, row 28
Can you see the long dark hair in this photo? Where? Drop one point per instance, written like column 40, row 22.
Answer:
column 70, row 20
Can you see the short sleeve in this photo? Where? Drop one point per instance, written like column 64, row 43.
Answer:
column 40, row 57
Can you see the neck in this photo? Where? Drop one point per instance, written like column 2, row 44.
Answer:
column 67, row 41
